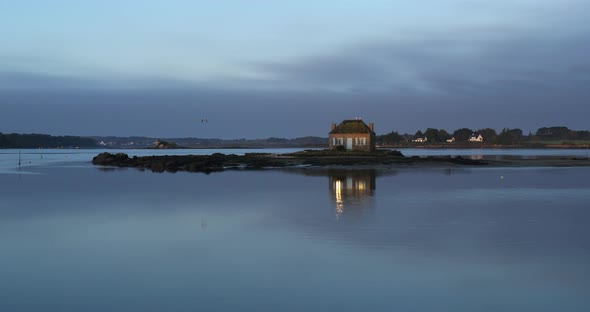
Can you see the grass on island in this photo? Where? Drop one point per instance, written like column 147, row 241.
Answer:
column 344, row 153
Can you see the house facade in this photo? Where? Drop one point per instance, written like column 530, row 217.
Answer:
column 474, row 138
column 352, row 135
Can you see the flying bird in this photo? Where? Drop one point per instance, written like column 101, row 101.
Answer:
column 204, row 120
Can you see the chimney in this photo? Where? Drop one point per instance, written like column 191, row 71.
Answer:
column 371, row 126
column 333, row 126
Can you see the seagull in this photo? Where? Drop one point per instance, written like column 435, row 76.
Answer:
column 204, row 120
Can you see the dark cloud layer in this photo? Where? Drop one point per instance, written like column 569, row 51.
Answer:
column 251, row 114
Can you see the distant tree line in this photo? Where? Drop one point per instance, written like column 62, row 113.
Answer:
column 15, row 140
column 561, row 133
column 187, row 142
column 506, row 137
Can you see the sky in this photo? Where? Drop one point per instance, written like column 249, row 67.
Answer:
column 267, row 68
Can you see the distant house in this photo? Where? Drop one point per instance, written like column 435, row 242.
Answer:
column 474, row 138
column 352, row 135
column 420, row 140
column 163, row 145
column 451, row 140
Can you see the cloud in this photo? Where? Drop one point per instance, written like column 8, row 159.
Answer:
column 18, row 80
column 446, row 63
column 10, row 80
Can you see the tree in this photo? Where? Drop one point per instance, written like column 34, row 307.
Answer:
column 3, row 141
column 462, row 135
column 553, row 133
column 431, row 134
column 34, row 140
column 390, row 138
column 509, row 136
column 488, row 134
column 582, row 135
column 276, row 140
column 442, row 135
column 516, row 133
column 418, row 134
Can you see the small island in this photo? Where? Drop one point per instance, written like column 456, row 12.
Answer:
column 380, row 159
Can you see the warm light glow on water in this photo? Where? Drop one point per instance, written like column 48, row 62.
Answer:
column 339, row 203
column 361, row 185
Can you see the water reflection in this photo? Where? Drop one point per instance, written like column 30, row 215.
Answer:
column 354, row 187
column 351, row 191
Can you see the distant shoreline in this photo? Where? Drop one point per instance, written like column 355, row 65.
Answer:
column 487, row 146
column 381, row 147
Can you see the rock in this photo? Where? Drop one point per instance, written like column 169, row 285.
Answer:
column 106, row 159
column 220, row 162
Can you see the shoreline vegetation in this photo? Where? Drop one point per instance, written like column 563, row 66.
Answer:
column 321, row 159
column 557, row 145
column 546, row 137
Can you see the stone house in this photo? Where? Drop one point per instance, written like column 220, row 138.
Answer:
column 353, row 135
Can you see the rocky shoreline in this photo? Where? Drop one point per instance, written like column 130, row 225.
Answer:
column 318, row 158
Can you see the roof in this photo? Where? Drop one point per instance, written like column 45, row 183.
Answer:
column 351, row 126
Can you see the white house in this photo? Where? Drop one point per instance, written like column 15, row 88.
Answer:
column 420, row 140
column 474, row 138
column 451, row 140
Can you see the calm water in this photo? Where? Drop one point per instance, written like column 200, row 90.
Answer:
column 78, row 238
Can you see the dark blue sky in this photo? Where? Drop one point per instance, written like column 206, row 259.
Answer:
column 262, row 69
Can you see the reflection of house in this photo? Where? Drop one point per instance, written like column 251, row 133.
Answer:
column 451, row 140
column 351, row 186
column 420, row 140
column 353, row 135
column 474, row 138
